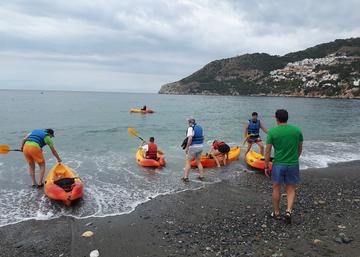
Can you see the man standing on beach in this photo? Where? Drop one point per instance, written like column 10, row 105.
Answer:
column 194, row 148
column 32, row 146
column 287, row 141
column 252, row 132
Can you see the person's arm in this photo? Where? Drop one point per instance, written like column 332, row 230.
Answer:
column 54, row 152
column 246, row 129
column 188, row 144
column 300, row 147
column 267, row 158
column 263, row 127
column 23, row 141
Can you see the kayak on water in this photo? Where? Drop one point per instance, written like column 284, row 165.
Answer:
column 62, row 184
column 151, row 163
column 256, row 160
column 142, row 111
column 209, row 162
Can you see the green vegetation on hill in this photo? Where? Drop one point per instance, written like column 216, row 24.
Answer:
column 249, row 74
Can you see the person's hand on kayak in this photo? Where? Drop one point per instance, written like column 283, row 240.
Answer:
column 59, row 160
column 267, row 173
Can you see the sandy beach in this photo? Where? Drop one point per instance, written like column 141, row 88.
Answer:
column 224, row 219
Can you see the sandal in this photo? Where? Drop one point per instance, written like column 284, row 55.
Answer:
column 185, row 179
column 201, row 178
column 274, row 215
column 288, row 217
column 40, row 186
column 34, row 186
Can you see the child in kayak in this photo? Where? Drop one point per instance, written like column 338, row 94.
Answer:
column 219, row 148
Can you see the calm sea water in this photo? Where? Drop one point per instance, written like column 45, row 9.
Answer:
column 92, row 138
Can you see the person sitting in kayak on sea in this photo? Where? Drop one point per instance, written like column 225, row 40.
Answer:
column 219, row 148
column 252, row 132
column 32, row 146
column 193, row 148
column 150, row 149
column 144, row 108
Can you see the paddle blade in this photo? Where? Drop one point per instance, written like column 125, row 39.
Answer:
column 132, row 132
column 4, row 149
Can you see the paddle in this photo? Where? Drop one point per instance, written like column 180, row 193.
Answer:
column 134, row 134
column 4, row 149
column 244, row 140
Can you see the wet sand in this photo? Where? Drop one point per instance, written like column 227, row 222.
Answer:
column 224, row 219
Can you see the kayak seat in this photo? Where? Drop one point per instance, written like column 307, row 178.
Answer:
column 65, row 183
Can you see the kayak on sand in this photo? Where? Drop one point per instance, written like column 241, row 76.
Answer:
column 62, row 184
column 209, row 162
column 141, row 111
column 256, row 160
column 151, row 163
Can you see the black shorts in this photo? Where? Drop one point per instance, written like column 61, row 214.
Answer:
column 224, row 148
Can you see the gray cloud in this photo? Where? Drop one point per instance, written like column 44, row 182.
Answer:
column 135, row 45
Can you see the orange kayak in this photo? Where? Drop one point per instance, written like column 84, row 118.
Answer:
column 151, row 163
column 256, row 160
column 208, row 162
column 142, row 111
column 62, row 184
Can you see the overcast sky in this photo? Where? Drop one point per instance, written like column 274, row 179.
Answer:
column 136, row 46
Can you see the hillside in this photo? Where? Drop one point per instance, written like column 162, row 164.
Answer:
column 326, row 70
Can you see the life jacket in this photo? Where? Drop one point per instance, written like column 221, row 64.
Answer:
column 198, row 137
column 218, row 144
column 254, row 127
column 38, row 137
column 152, row 151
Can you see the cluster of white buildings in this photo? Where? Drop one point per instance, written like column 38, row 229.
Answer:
column 305, row 71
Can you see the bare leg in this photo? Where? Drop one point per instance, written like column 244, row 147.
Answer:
column 276, row 197
column 187, row 168
column 261, row 146
column 42, row 172
column 225, row 157
column 200, row 167
column 32, row 173
column 290, row 192
column 249, row 145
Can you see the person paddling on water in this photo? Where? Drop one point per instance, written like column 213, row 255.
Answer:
column 150, row 149
column 144, row 108
column 32, row 146
column 252, row 132
column 194, row 148
column 219, row 148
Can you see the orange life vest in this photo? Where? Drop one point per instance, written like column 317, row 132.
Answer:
column 152, row 151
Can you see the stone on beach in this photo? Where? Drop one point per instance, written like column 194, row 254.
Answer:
column 94, row 253
column 87, row 234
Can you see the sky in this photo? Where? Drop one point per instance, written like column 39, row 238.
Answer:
column 137, row 46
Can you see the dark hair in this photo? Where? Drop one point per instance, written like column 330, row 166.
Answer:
column 152, row 139
column 282, row 115
column 49, row 131
column 254, row 114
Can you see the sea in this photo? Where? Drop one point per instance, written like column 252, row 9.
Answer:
column 91, row 137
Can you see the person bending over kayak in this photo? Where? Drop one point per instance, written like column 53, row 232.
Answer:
column 150, row 149
column 252, row 132
column 194, row 148
column 219, row 148
column 32, row 146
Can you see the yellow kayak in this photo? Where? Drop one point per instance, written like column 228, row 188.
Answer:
column 141, row 111
column 160, row 162
column 256, row 160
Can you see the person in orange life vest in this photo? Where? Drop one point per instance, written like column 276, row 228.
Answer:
column 219, row 148
column 252, row 132
column 150, row 149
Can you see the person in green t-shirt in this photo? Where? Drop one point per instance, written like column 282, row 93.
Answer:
column 32, row 146
column 287, row 141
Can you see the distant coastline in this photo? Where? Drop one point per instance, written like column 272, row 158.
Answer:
column 330, row 70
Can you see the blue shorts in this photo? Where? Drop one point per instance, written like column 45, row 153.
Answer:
column 285, row 174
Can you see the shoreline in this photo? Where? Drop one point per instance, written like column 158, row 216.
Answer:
column 222, row 219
